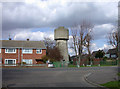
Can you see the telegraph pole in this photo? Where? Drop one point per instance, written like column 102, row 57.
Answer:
column 119, row 37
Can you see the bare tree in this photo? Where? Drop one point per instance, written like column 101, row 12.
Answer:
column 49, row 43
column 74, row 37
column 80, row 32
column 113, row 38
column 89, row 38
column 53, row 53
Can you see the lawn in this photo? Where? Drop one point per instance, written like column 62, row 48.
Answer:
column 112, row 85
column 72, row 65
column 118, row 74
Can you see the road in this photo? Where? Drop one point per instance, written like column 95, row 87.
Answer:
column 52, row 77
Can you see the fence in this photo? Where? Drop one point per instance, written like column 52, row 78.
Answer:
column 115, row 62
column 86, row 63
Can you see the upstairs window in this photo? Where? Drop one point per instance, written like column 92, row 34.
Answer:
column 39, row 51
column 113, row 56
column 10, row 50
column 27, row 51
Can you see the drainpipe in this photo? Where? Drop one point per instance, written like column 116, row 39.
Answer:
column 22, row 55
column 18, row 55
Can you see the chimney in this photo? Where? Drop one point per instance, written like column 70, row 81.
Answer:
column 10, row 39
column 27, row 39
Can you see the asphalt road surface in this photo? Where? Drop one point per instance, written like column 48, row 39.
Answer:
column 54, row 77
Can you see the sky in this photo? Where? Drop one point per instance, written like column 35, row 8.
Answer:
column 38, row 19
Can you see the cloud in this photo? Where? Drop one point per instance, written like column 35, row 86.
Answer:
column 52, row 14
column 106, row 47
column 33, row 35
column 93, row 47
column 13, row 32
column 101, row 31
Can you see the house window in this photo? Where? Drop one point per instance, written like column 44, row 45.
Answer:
column 0, row 60
column 27, row 51
column 113, row 56
column 10, row 61
column 39, row 51
column 107, row 55
column 10, row 50
column 0, row 50
column 27, row 61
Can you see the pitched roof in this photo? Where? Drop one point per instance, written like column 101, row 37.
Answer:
column 112, row 51
column 22, row 44
column 94, row 52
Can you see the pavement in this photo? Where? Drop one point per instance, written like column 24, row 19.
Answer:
column 57, row 77
column 102, row 76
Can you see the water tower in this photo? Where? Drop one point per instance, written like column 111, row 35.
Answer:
column 61, row 35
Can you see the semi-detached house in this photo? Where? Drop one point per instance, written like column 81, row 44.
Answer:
column 14, row 52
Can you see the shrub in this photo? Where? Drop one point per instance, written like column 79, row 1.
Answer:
column 45, row 58
column 23, row 62
column 105, row 58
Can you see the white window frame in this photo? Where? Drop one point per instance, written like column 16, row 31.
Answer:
column 39, row 51
column 28, row 63
column 10, row 52
column 23, row 51
column 6, row 61
column 113, row 56
column 107, row 55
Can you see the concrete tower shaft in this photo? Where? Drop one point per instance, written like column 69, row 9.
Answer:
column 61, row 35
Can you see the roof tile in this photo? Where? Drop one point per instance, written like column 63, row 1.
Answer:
column 22, row 44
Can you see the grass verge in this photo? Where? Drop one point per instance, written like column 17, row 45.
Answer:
column 118, row 74
column 72, row 65
column 112, row 85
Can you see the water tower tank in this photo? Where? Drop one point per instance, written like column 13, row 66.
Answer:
column 61, row 33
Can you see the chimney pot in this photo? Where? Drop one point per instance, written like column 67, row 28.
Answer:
column 10, row 39
column 27, row 39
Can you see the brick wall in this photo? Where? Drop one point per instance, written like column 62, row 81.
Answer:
column 84, row 61
column 18, row 55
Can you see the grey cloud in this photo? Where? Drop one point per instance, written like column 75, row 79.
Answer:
column 25, row 16
column 101, row 31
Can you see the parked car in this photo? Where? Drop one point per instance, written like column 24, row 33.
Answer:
column 50, row 65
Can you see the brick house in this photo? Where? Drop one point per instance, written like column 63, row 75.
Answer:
column 112, row 53
column 17, row 52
